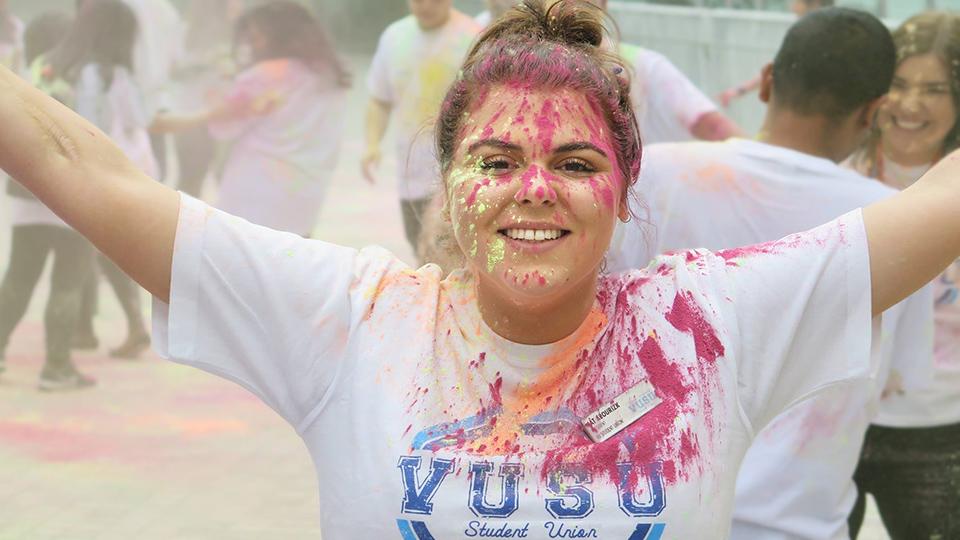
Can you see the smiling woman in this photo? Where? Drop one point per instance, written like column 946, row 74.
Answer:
column 525, row 394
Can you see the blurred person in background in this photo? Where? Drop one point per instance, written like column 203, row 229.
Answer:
column 97, row 59
column 38, row 232
column 799, row 8
column 417, row 59
column 202, row 72
column 282, row 116
column 910, row 462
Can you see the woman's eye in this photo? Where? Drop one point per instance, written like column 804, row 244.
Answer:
column 496, row 164
column 577, row 166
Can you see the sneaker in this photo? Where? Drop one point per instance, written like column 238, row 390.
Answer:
column 63, row 379
column 132, row 348
column 84, row 341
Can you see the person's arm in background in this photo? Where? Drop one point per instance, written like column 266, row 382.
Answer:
column 379, row 107
column 375, row 127
column 714, row 126
column 727, row 96
column 74, row 169
column 914, row 235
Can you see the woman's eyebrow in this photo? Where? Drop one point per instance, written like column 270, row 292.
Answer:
column 496, row 143
column 579, row 145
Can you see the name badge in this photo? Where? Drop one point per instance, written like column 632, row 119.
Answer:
column 625, row 409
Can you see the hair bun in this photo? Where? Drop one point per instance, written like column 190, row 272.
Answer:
column 576, row 23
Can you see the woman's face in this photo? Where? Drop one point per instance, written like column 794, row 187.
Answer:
column 920, row 110
column 534, row 192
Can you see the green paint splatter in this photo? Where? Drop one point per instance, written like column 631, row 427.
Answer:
column 496, row 253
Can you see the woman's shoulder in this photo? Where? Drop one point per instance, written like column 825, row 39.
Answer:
column 688, row 269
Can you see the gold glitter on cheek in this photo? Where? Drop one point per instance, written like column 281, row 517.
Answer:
column 496, row 253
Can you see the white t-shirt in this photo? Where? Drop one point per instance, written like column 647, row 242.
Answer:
column 412, row 71
column 423, row 423
column 939, row 403
column 279, row 165
column 666, row 102
column 796, row 479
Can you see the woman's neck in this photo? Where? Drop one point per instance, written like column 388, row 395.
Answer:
column 907, row 157
column 535, row 324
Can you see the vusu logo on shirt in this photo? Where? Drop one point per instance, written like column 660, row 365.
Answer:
column 566, row 497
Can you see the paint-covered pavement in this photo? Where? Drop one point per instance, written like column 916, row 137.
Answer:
column 162, row 451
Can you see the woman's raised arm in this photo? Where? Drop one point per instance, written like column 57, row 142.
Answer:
column 914, row 235
column 74, row 168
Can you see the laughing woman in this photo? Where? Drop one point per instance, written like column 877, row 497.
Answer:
column 525, row 394
column 910, row 461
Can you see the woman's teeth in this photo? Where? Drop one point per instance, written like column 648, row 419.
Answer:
column 534, row 235
column 905, row 124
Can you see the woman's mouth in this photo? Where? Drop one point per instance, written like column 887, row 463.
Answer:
column 908, row 125
column 533, row 235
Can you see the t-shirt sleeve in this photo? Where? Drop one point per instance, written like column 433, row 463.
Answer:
column 270, row 311
column 801, row 315
column 673, row 94
column 378, row 78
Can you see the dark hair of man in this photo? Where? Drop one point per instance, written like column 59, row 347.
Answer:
column 832, row 62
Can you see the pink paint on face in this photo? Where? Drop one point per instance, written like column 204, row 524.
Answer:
column 546, row 121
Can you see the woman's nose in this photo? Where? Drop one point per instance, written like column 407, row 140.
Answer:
column 535, row 188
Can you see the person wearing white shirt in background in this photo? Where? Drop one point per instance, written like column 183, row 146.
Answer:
column 911, row 457
column 417, row 59
column 282, row 115
column 828, row 79
column 159, row 45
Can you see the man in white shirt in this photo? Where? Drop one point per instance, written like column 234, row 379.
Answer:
column 827, row 80
column 417, row 59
